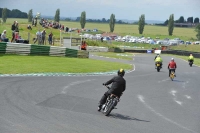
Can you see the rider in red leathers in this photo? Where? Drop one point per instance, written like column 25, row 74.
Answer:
column 172, row 66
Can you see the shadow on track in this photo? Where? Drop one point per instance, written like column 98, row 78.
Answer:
column 125, row 117
column 175, row 80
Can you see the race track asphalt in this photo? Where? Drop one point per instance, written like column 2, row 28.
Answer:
column 152, row 103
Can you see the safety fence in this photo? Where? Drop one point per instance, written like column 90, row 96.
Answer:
column 29, row 49
column 175, row 52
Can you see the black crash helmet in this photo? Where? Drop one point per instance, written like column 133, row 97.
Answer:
column 121, row 72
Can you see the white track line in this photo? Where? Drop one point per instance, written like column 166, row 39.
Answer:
column 65, row 89
column 141, row 98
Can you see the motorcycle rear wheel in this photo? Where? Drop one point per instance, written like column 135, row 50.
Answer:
column 109, row 108
column 172, row 76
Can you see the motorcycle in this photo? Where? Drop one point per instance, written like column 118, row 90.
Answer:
column 158, row 66
column 172, row 75
column 111, row 103
column 190, row 63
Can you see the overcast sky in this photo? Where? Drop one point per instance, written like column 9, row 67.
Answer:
column 98, row 9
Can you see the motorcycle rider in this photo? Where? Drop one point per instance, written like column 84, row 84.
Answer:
column 191, row 58
column 172, row 66
column 156, row 56
column 117, row 88
column 158, row 60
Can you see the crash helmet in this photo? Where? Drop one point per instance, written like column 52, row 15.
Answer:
column 121, row 72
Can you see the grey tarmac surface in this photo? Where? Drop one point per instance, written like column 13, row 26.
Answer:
column 152, row 103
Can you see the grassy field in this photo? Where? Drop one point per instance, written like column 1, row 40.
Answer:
column 194, row 48
column 121, row 29
column 16, row 64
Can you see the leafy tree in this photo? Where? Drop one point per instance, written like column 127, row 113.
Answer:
column 166, row 22
column 171, row 24
column 83, row 19
column 103, row 20
column 181, row 19
column 197, row 29
column 196, row 20
column 112, row 22
column 190, row 20
column 78, row 18
column 4, row 14
column 57, row 16
column 30, row 15
column 141, row 23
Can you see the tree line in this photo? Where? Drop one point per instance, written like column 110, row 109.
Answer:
column 15, row 13
column 182, row 20
column 103, row 20
column 112, row 21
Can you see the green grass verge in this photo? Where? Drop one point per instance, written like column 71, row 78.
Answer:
column 125, row 56
column 17, row 64
column 196, row 60
column 194, row 48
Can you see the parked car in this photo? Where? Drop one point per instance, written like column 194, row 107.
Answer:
column 188, row 42
column 95, row 30
column 87, row 30
column 197, row 42
column 106, row 38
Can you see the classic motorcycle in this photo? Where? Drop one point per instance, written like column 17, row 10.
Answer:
column 111, row 103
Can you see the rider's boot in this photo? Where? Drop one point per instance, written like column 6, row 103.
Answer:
column 99, row 107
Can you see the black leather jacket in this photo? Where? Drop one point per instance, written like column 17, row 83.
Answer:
column 118, row 85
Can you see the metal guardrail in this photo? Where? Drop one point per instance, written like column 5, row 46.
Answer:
column 29, row 49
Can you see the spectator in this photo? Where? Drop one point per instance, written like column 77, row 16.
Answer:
column 13, row 31
column 101, row 39
column 43, row 36
column 29, row 27
column 16, row 36
column 67, row 29
column 50, row 38
column 3, row 36
column 33, row 22
column 16, row 27
column 38, row 37
column 83, row 45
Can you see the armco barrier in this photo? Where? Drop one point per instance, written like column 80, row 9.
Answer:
column 39, row 50
column 83, row 54
column 135, row 51
column 3, row 48
column 71, row 52
column 18, row 48
column 57, row 51
column 28, row 49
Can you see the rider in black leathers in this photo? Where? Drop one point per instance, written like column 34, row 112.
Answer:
column 118, row 86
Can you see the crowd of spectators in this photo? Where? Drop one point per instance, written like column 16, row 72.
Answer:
column 40, row 35
column 46, row 24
